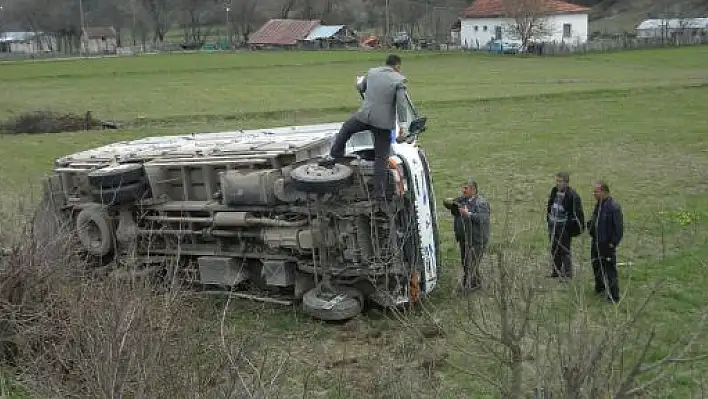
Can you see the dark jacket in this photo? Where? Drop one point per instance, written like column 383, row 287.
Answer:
column 573, row 205
column 477, row 224
column 607, row 223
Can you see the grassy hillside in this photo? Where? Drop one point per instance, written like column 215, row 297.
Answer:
column 616, row 16
column 636, row 119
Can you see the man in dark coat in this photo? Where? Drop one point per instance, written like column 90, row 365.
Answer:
column 565, row 219
column 471, row 214
column 606, row 229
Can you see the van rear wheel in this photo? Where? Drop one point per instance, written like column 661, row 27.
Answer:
column 343, row 304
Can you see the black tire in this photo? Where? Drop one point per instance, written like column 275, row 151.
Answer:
column 96, row 230
column 121, row 195
column 116, row 176
column 315, row 304
column 312, row 178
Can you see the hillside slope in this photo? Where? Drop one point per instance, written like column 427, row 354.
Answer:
column 614, row 16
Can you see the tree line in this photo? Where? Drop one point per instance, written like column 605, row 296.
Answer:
column 145, row 21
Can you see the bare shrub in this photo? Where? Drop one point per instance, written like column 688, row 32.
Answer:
column 50, row 122
column 66, row 331
column 520, row 336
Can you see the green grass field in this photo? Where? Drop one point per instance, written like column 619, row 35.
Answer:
column 637, row 119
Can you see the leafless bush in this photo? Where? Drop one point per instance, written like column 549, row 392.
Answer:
column 68, row 332
column 521, row 336
column 49, row 122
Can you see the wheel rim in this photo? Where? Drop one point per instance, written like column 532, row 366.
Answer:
column 93, row 232
column 320, row 171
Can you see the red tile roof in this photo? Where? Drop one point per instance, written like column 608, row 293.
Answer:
column 282, row 31
column 495, row 8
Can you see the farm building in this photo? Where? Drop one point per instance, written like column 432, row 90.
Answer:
column 99, row 39
column 487, row 20
column 455, row 39
column 671, row 28
column 330, row 36
column 27, row 42
column 282, row 33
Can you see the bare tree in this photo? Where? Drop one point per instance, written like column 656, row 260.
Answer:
column 519, row 344
column 195, row 14
column 528, row 19
column 246, row 18
column 286, row 8
column 159, row 12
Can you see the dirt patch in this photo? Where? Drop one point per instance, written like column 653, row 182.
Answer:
column 51, row 122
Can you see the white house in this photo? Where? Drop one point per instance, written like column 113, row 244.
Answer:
column 487, row 20
column 671, row 28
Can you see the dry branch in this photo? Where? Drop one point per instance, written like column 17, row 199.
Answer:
column 528, row 19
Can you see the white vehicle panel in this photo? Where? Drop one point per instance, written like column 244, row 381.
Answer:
column 425, row 218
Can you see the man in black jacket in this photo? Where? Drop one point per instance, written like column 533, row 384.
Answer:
column 565, row 219
column 606, row 229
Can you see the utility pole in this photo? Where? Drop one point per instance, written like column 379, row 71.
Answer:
column 428, row 18
column 132, row 5
column 83, row 27
column 388, row 27
column 228, row 27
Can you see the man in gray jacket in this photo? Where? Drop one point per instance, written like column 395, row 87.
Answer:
column 383, row 90
column 472, row 221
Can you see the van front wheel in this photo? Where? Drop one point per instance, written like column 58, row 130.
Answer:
column 346, row 303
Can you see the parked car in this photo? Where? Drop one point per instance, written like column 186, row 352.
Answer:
column 252, row 212
column 504, row 46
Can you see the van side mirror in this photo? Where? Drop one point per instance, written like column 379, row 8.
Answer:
column 417, row 125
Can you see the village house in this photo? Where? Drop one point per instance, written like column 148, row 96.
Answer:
column 27, row 42
column 488, row 20
column 672, row 28
column 302, row 34
column 99, row 40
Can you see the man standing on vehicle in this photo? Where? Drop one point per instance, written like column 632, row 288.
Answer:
column 471, row 214
column 383, row 92
column 565, row 219
column 606, row 229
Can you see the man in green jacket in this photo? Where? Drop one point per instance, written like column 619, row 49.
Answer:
column 471, row 214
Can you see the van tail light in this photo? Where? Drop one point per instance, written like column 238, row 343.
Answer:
column 414, row 287
column 397, row 171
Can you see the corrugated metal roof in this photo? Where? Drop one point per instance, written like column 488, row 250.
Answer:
column 101, row 31
column 674, row 23
column 283, row 31
column 324, row 31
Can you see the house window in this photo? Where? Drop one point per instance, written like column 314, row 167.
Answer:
column 476, row 28
column 497, row 32
column 484, row 28
column 566, row 30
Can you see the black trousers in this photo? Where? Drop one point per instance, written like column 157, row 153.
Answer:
column 604, row 267
column 382, row 149
column 561, row 250
column 470, row 256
